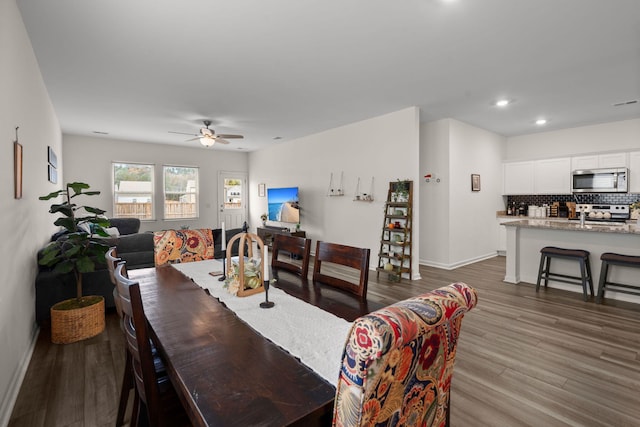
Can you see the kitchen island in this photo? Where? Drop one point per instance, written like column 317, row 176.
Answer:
column 525, row 238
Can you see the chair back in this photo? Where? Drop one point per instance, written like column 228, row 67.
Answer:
column 139, row 343
column 398, row 361
column 349, row 256
column 298, row 247
column 175, row 246
column 112, row 259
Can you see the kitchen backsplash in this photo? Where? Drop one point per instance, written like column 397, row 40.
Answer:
column 587, row 198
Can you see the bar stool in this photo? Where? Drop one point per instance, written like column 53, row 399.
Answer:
column 579, row 255
column 610, row 258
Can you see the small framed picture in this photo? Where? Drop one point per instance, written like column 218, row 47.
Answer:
column 52, row 174
column 51, row 157
column 17, row 169
column 261, row 190
column 475, row 182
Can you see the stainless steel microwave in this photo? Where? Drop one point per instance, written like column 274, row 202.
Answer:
column 600, row 181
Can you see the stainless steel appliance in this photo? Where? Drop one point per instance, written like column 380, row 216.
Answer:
column 604, row 213
column 600, row 180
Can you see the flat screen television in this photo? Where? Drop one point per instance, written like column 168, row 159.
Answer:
column 283, row 204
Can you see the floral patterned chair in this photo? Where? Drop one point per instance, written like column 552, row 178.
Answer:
column 175, row 246
column 398, row 361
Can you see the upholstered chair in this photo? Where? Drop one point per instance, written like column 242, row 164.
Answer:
column 398, row 361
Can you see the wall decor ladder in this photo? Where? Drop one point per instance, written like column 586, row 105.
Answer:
column 394, row 257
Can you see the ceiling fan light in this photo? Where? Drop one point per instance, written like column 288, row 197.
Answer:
column 207, row 142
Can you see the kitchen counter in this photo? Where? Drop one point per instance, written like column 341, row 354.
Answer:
column 574, row 225
column 526, row 237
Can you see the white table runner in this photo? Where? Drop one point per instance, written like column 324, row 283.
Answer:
column 309, row 333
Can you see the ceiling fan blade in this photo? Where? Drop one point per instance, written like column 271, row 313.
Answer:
column 222, row 135
column 193, row 139
column 183, row 133
column 221, row 141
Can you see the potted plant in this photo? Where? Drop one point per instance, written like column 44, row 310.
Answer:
column 77, row 252
column 401, row 190
column 264, row 217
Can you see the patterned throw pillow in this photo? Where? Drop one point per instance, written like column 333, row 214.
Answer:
column 174, row 246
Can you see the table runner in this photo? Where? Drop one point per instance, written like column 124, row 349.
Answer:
column 309, row 333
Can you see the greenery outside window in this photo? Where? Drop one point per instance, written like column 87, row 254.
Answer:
column 133, row 191
column 180, row 192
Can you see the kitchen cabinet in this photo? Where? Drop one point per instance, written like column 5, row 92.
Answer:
column 552, row 176
column 634, row 172
column 608, row 160
column 517, row 178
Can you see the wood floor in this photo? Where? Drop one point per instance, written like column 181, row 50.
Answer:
column 524, row 359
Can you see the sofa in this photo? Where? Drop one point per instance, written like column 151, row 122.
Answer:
column 135, row 248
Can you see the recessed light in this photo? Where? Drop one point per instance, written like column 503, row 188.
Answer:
column 541, row 122
column 277, row 137
column 100, row 133
column 502, row 103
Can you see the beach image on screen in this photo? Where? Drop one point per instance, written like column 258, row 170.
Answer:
column 283, row 204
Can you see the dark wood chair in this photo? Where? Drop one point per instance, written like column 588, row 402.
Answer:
column 297, row 248
column 158, row 399
column 349, row 256
column 127, row 377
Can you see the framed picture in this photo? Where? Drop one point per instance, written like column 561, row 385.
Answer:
column 475, row 182
column 52, row 174
column 51, row 157
column 261, row 190
column 17, row 169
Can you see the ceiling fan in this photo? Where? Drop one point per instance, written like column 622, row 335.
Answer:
column 208, row 137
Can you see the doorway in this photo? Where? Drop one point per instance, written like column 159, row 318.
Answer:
column 232, row 199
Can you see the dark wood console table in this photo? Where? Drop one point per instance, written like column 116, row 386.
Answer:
column 266, row 233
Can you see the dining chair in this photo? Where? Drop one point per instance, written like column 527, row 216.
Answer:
column 398, row 361
column 112, row 260
column 158, row 401
column 294, row 248
column 175, row 246
column 349, row 256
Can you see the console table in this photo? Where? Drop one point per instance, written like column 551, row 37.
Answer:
column 266, row 233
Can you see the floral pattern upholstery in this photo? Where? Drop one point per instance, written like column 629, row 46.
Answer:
column 398, row 361
column 174, row 246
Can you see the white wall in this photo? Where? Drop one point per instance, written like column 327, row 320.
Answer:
column 457, row 224
column 384, row 147
column 613, row 136
column 89, row 159
column 26, row 224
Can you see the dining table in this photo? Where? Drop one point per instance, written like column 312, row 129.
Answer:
column 242, row 368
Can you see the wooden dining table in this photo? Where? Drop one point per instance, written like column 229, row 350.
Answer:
column 227, row 374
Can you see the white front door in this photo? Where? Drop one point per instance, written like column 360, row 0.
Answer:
column 232, row 199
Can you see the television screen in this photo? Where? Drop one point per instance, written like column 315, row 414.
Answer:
column 283, row 204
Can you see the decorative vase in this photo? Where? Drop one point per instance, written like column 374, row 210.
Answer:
column 77, row 324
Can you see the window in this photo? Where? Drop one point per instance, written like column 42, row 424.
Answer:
column 180, row 192
column 133, row 191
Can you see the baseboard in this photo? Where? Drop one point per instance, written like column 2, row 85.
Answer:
column 458, row 264
column 16, row 382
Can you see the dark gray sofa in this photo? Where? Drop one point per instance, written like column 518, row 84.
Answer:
column 133, row 247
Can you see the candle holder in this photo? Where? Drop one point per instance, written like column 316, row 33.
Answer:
column 224, row 266
column 266, row 303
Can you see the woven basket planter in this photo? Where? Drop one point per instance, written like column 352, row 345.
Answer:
column 77, row 324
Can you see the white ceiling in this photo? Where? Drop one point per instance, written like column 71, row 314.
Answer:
column 290, row 68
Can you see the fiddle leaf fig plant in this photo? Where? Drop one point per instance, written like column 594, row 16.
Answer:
column 77, row 250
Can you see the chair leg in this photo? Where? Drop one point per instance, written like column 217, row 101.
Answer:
column 542, row 258
column 127, row 385
column 590, row 276
column 601, row 283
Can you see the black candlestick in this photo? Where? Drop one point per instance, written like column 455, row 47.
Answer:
column 266, row 303
column 224, row 265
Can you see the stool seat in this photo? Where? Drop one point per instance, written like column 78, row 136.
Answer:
column 620, row 260
column 580, row 255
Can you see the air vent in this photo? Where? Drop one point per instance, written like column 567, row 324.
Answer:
column 100, row 133
column 620, row 104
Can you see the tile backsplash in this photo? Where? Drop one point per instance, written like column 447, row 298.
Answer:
column 588, row 198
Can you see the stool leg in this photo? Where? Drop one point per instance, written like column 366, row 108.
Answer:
column 546, row 271
column 542, row 258
column 590, row 276
column 583, row 275
column 603, row 280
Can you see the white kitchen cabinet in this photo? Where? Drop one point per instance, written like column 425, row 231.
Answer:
column 552, row 176
column 517, row 178
column 608, row 160
column 634, row 172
